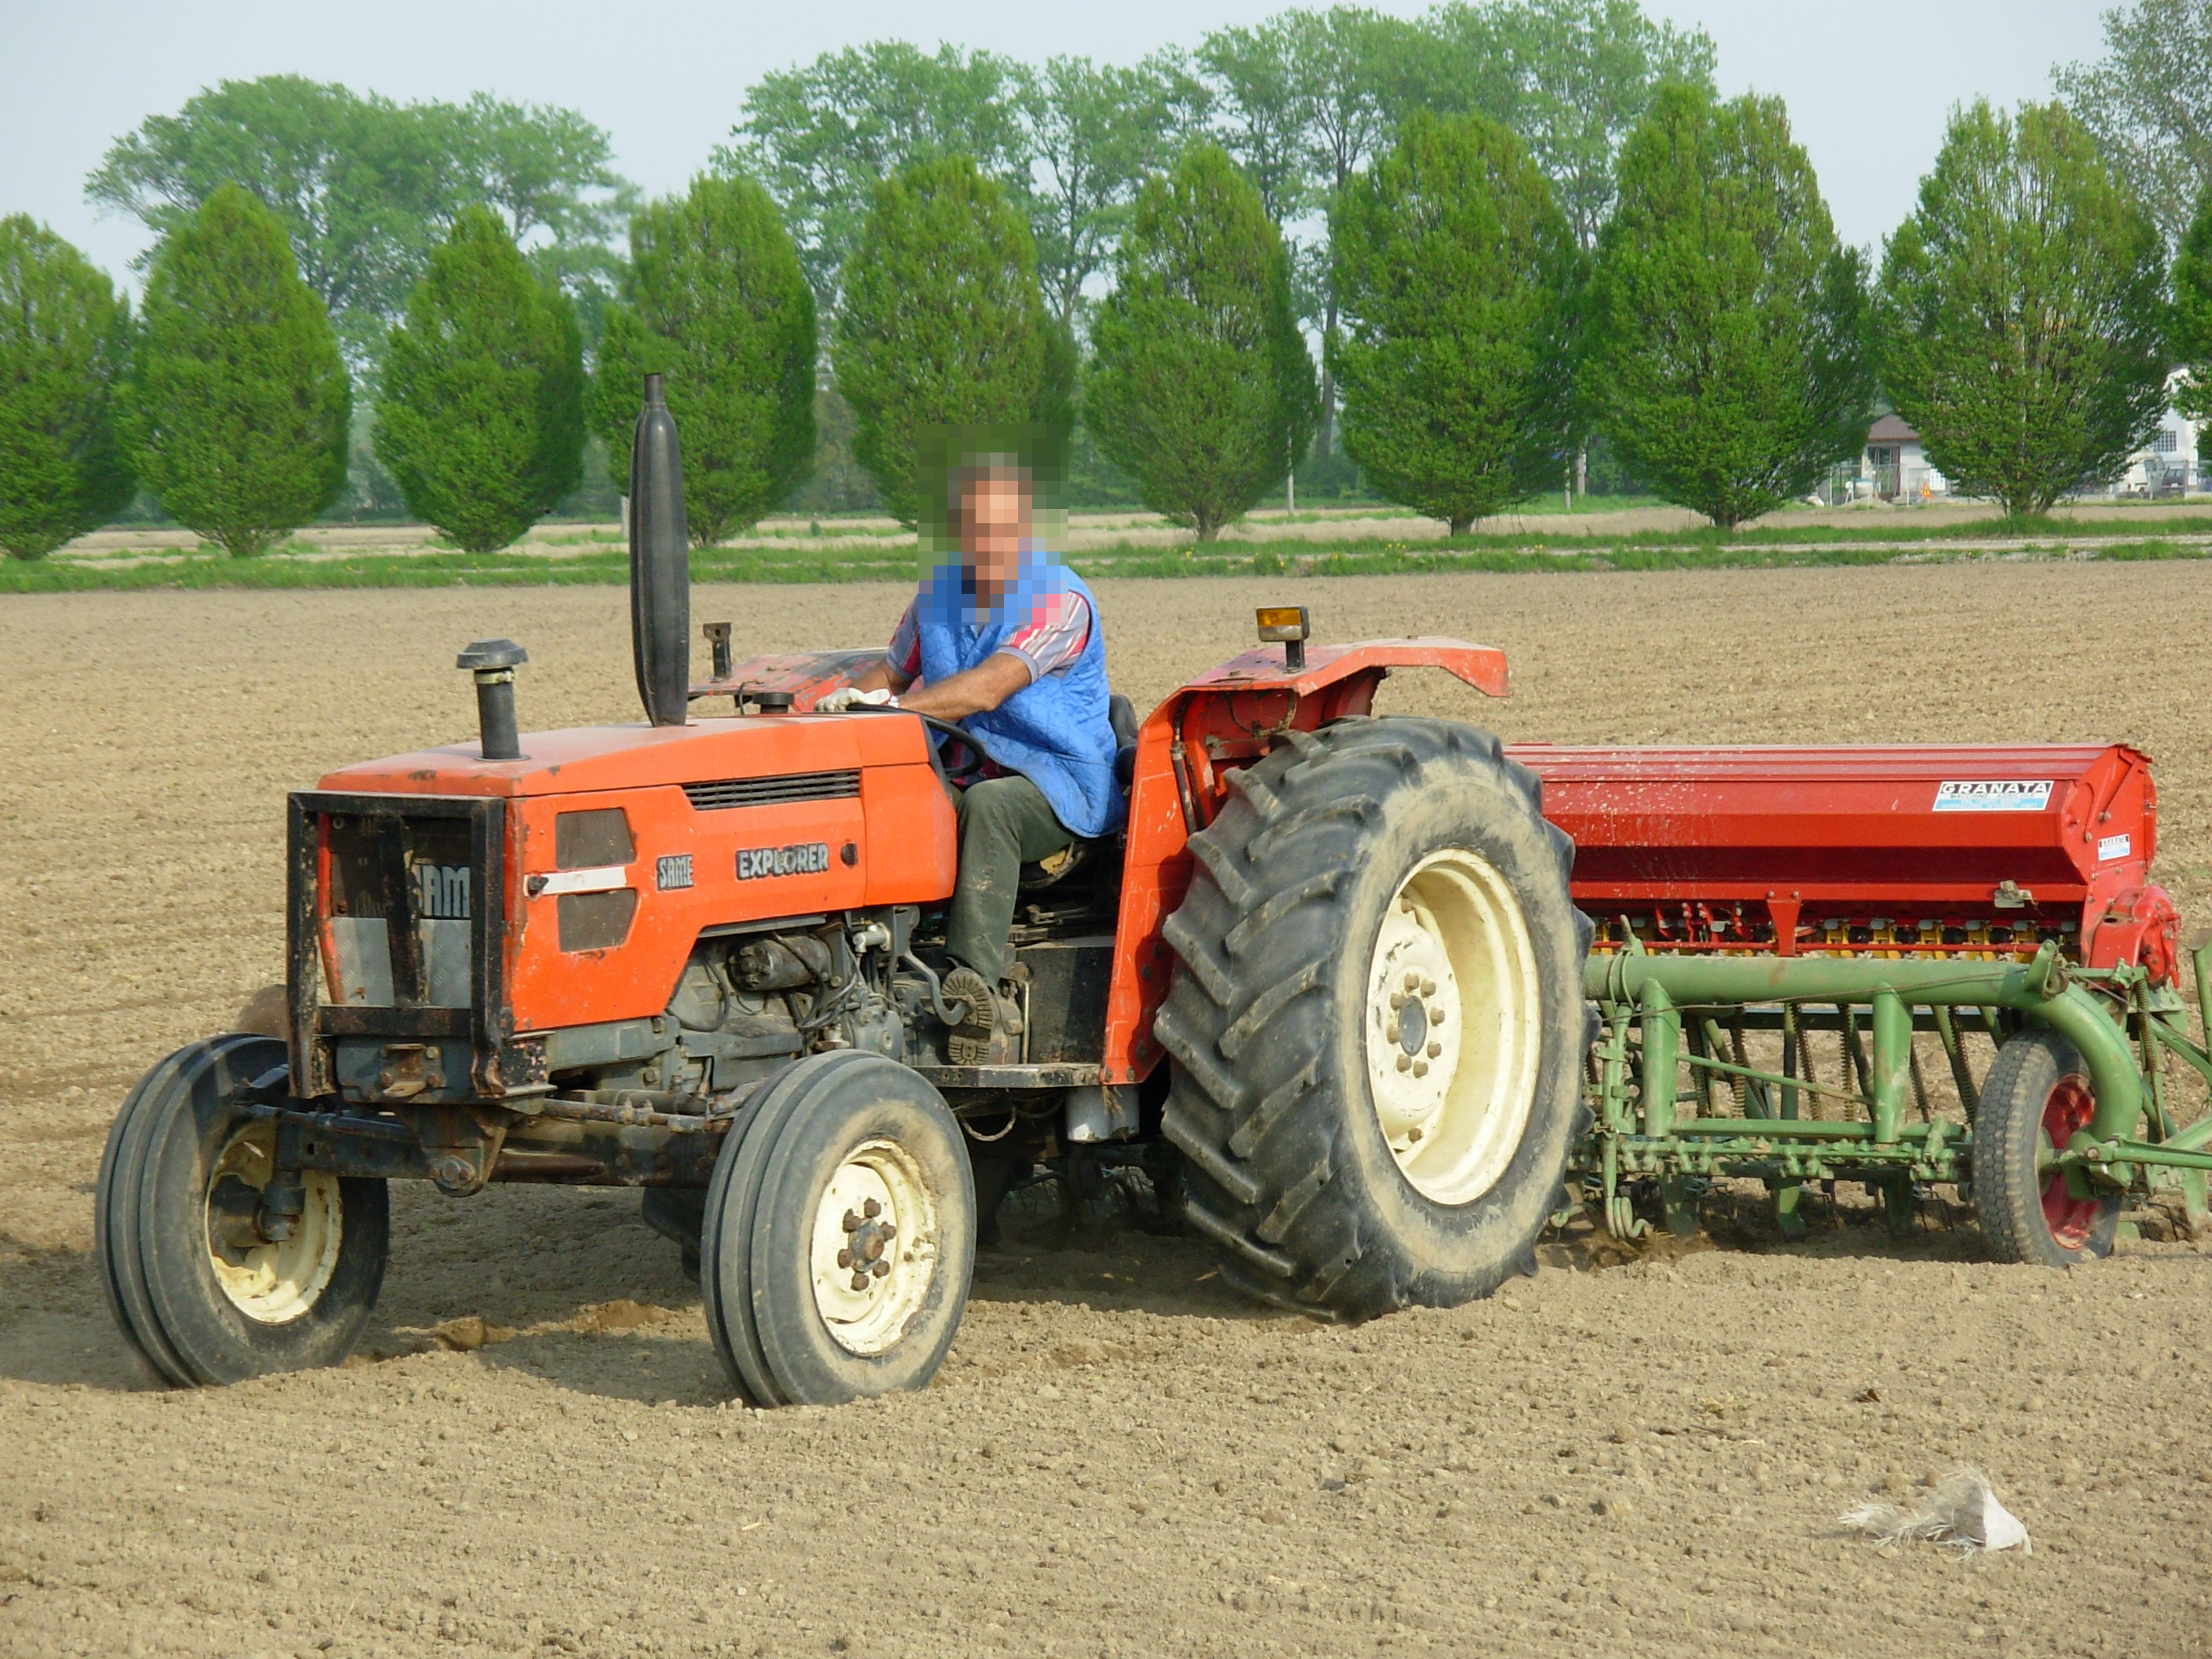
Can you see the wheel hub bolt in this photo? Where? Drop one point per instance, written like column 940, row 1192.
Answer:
column 1413, row 982
column 867, row 1239
column 1405, row 1062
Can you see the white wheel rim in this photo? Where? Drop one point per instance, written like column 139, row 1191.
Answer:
column 1454, row 1026
column 873, row 1266
column 270, row 1283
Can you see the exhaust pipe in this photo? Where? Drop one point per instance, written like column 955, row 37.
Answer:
column 660, row 564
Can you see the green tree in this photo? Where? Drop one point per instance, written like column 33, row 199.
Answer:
column 823, row 137
column 238, row 402
column 365, row 188
column 356, row 192
column 1261, row 94
column 2149, row 100
column 1459, row 275
column 481, row 417
column 839, row 483
column 1729, row 361
column 1201, row 388
column 1356, row 75
column 1095, row 130
column 64, row 348
column 541, row 167
column 1305, row 97
column 1582, row 75
column 549, row 173
column 2192, row 316
column 2023, row 310
column 717, row 301
column 943, row 323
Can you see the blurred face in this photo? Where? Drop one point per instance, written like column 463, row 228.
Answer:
column 995, row 527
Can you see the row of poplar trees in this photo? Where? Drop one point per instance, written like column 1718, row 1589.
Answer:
column 1721, row 339
column 228, row 399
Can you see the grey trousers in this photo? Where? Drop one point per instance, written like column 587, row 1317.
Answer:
column 1004, row 822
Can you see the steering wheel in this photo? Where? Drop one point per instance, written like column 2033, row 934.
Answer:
column 969, row 758
column 968, row 761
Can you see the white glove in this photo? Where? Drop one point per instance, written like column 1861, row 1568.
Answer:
column 846, row 695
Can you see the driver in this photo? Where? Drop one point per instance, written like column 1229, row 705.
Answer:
column 1007, row 644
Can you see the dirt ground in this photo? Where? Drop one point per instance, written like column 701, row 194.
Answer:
column 1647, row 1459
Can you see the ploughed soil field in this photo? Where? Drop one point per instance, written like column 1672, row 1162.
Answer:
column 536, row 1452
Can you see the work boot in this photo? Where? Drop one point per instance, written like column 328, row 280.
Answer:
column 968, row 1043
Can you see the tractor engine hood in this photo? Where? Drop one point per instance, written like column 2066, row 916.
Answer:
column 752, row 749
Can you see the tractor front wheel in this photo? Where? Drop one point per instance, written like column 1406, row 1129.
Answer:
column 1377, row 1021
column 839, row 1235
column 2037, row 1096
column 204, row 1282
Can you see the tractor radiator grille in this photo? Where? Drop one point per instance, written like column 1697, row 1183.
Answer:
column 773, row 792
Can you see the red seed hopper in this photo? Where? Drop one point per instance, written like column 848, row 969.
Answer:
column 1931, row 850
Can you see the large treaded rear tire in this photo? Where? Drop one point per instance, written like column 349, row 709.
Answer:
column 1274, row 1104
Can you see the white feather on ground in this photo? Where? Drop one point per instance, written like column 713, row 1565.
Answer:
column 1961, row 1511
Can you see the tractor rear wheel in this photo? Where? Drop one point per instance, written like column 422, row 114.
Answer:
column 194, row 1277
column 839, row 1235
column 2036, row 1097
column 1376, row 1022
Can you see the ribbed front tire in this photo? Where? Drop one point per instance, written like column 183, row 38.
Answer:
column 196, row 1286
column 839, row 1235
column 1376, row 1022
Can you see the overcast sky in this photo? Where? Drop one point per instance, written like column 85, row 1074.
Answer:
column 1868, row 87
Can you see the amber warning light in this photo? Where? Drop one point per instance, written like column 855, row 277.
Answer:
column 1285, row 625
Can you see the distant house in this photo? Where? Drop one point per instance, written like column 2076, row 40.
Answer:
column 2172, row 464
column 1894, row 467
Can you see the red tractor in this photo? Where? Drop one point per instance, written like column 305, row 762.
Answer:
column 1327, row 985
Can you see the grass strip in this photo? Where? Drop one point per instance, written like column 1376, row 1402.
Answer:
column 1755, row 550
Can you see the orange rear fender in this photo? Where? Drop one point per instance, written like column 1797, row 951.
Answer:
column 1212, row 725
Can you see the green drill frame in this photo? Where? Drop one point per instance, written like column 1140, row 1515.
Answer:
column 1666, row 1016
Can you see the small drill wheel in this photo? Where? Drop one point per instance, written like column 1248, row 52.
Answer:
column 839, row 1235
column 2036, row 1098
column 194, row 1277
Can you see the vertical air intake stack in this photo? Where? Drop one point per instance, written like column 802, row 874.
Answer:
column 660, row 564
column 494, row 662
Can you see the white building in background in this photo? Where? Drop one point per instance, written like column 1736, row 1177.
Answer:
column 1894, row 467
column 2175, row 464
